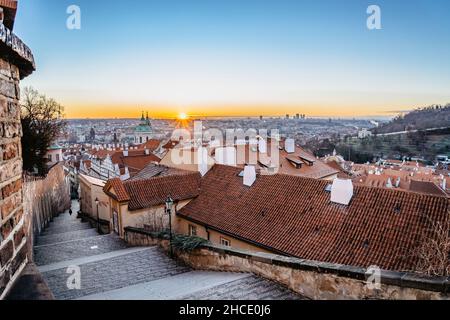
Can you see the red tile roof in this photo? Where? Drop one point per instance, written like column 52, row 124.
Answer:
column 293, row 215
column 147, row 193
column 156, row 170
column 170, row 144
column 135, row 161
column 151, row 145
column 318, row 169
column 120, row 193
column 425, row 187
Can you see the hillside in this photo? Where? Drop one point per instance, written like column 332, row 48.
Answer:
column 420, row 119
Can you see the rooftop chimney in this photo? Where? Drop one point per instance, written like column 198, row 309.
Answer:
column 202, row 159
column 249, row 176
column 125, row 153
column 226, row 156
column 289, row 145
column 262, row 145
column 147, row 152
column 342, row 191
column 389, row 183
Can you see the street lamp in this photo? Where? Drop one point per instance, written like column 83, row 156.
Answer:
column 169, row 205
column 98, row 220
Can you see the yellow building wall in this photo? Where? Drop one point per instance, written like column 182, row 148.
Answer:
column 138, row 218
column 214, row 236
column 89, row 192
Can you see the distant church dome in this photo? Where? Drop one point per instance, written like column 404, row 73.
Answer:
column 143, row 132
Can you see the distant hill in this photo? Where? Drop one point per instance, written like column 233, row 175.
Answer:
column 424, row 118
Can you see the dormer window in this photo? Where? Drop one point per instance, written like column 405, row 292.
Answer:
column 295, row 161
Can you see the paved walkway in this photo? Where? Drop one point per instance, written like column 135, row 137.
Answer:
column 110, row 270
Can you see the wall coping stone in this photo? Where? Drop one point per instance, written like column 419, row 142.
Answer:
column 388, row 277
column 13, row 50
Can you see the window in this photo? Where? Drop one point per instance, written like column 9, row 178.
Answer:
column 192, row 230
column 57, row 158
column 49, row 157
column 225, row 242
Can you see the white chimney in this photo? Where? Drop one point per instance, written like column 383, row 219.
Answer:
column 262, row 145
column 125, row 153
column 289, row 145
column 202, row 160
column 444, row 184
column 147, row 152
column 342, row 191
column 249, row 176
column 389, row 183
column 226, row 156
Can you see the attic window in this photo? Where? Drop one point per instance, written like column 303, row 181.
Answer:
column 328, row 187
column 295, row 161
column 309, row 160
column 397, row 208
column 366, row 244
column 241, row 174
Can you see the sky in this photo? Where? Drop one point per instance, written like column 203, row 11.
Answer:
column 238, row 58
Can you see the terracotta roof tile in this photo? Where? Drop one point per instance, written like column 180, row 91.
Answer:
column 146, row 193
column 151, row 145
column 294, row 216
column 156, row 170
column 121, row 193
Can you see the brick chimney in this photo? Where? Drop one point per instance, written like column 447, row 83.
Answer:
column 16, row 62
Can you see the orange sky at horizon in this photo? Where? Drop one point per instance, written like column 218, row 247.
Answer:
column 80, row 111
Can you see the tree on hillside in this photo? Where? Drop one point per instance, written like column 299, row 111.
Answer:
column 42, row 123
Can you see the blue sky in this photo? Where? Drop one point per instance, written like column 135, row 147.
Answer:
column 239, row 57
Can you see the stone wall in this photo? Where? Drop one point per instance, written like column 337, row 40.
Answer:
column 16, row 62
column 13, row 250
column 312, row 279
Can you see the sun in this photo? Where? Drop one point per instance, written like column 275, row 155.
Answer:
column 182, row 116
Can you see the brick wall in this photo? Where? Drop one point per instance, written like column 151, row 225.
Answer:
column 13, row 248
column 16, row 62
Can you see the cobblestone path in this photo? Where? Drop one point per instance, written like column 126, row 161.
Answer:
column 109, row 269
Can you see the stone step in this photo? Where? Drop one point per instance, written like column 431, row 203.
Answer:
column 65, row 228
column 170, row 288
column 112, row 271
column 69, row 250
column 248, row 288
column 66, row 236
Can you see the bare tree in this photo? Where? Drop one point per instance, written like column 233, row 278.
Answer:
column 433, row 253
column 42, row 122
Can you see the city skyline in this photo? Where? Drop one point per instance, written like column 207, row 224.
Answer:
column 231, row 58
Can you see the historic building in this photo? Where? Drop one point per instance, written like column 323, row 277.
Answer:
column 143, row 132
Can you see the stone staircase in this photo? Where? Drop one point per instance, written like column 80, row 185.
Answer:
column 109, row 269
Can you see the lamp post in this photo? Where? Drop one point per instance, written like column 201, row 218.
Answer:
column 169, row 205
column 98, row 220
